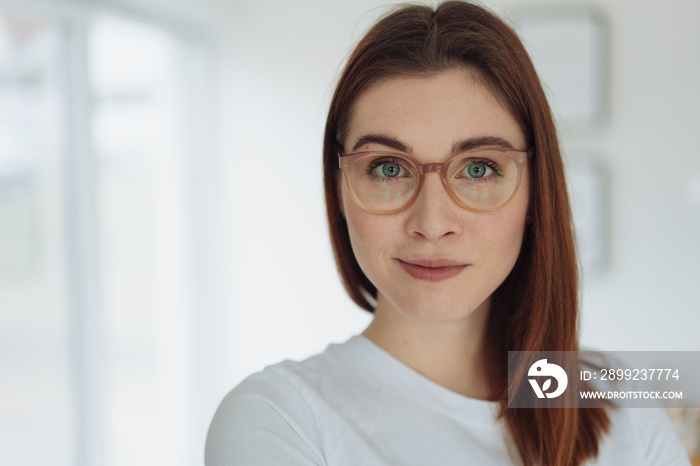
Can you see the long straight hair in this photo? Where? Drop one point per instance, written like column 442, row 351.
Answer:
column 536, row 307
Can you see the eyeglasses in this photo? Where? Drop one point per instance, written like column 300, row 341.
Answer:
column 480, row 180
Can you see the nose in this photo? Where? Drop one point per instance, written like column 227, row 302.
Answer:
column 433, row 215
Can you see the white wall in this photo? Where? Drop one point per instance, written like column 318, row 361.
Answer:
column 648, row 298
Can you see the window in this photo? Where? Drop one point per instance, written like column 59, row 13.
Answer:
column 101, row 127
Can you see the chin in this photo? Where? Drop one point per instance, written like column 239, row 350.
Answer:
column 437, row 311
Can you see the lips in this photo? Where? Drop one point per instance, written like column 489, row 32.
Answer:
column 432, row 270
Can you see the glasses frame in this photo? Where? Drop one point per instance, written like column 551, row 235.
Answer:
column 345, row 161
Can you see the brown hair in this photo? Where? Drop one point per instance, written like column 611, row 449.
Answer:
column 536, row 307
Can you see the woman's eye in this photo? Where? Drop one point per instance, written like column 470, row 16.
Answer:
column 389, row 169
column 477, row 170
column 386, row 169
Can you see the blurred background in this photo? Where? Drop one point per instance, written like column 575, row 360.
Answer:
column 162, row 230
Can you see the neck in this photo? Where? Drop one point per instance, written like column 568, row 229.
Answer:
column 451, row 354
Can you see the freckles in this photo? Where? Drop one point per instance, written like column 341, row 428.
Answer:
column 497, row 227
column 364, row 233
column 500, row 236
column 371, row 239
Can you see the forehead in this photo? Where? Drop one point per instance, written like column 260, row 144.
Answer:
column 431, row 113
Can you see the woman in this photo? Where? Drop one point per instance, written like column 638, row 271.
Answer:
column 450, row 221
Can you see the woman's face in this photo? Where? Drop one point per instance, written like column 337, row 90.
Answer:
column 434, row 262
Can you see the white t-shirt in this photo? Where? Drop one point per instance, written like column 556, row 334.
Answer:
column 354, row 404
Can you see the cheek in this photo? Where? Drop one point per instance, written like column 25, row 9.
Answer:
column 371, row 235
column 512, row 227
column 365, row 232
column 502, row 231
column 360, row 228
column 500, row 241
column 365, row 246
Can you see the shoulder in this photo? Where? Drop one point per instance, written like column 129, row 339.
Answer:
column 642, row 436
column 273, row 416
column 277, row 387
column 658, row 437
column 267, row 419
column 645, row 433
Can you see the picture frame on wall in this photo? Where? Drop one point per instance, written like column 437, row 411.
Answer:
column 569, row 47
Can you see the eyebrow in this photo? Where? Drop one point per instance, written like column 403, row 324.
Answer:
column 485, row 141
column 387, row 141
column 459, row 146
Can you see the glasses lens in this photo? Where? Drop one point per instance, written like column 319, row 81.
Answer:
column 383, row 183
column 483, row 180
